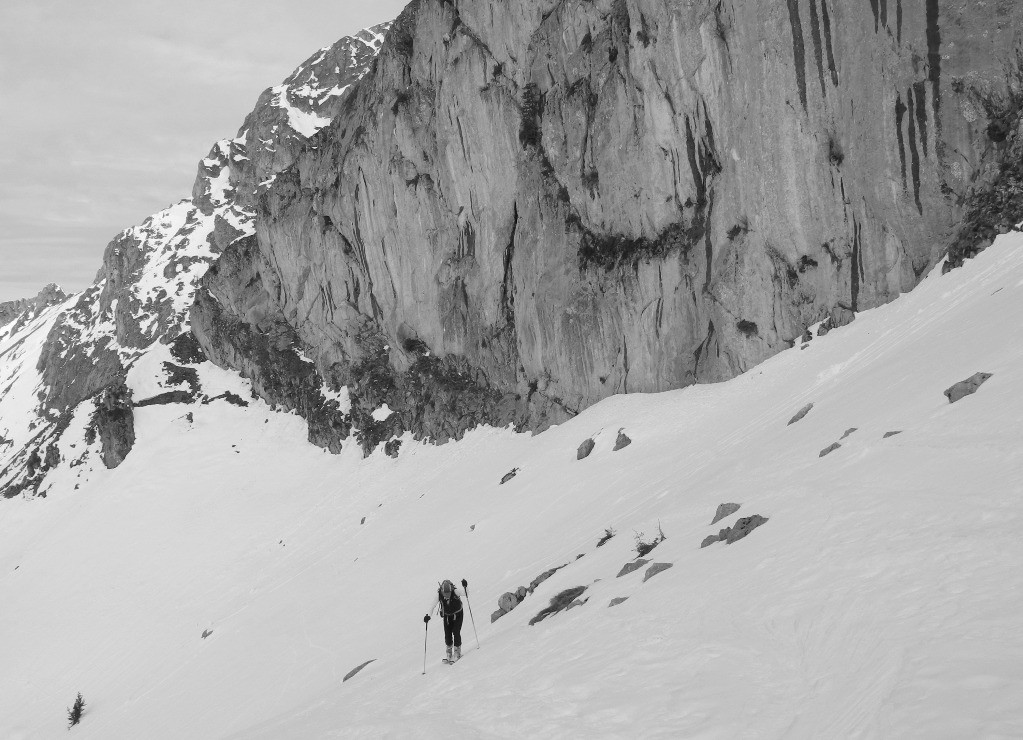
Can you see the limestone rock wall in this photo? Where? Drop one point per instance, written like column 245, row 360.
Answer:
column 567, row 200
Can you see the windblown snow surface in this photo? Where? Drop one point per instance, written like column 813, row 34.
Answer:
column 883, row 598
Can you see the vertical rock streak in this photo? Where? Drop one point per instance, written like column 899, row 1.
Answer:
column 914, row 155
column 825, row 16
column 898, row 22
column 920, row 93
column 877, row 17
column 818, row 51
column 934, row 58
column 900, row 114
column 798, row 49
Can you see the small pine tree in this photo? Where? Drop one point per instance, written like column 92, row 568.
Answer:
column 74, row 714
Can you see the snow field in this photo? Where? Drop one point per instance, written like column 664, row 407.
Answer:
column 881, row 599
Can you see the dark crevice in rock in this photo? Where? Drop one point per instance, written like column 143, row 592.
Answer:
column 913, row 153
column 934, row 58
column 920, row 97
column 898, row 22
column 798, row 49
column 826, row 17
column 900, row 113
column 877, row 17
column 818, row 51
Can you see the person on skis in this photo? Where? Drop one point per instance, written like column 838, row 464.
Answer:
column 449, row 607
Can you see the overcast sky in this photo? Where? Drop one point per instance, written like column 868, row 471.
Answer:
column 106, row 108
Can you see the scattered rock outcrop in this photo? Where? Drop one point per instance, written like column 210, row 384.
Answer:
column 800, row 414
column 966, row 387
column 564, row 600
column 584, row 449
column 891, row 434
column 848, row 431
column 512, row 599
column 113, row 422
column 618, row 600
column 357, row 668
column 631, row 567
column 509, row 475
column 736, row 532
column 724, row 510
column 654, row 569
column 622, row 441
column 829, row 449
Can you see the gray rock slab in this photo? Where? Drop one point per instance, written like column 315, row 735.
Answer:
column 966, row 387
column 800, row 414
column 723, row 511
column 631, row 567
column 654, row 569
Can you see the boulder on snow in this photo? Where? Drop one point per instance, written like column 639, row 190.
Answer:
column 631, row 567
column 520, row 592
column 585, row 449
column 708, row 540
column 356, row 670
column 800, row 414
column 617, row 600
column 723, row 511
column 848, row 431
column 508, row 601
column 743, row 527
column 966, row 387
column 622, row 441
column 829, row 449
column 562, row 601
column 891, row 434
column 543, row 577
column 509, row 475
column 497, row 615
column 654, row 569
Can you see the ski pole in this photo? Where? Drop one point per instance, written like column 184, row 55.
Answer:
column 426, row 633
column 465, row 585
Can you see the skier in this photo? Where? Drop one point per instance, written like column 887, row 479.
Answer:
column 449, row 607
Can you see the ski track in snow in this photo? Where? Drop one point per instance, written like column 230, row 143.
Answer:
column 881, row 599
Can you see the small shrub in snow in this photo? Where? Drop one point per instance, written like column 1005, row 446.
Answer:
column 608, row 534
column 74, row 714
column 643, row 547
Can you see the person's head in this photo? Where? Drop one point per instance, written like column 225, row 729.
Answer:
column 446, row 589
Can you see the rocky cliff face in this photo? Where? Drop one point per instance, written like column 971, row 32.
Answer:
column 528, row 206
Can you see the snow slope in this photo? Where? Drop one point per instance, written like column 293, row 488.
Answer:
column 881, row 599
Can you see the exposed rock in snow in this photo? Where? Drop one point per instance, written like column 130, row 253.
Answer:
column 801, row 413
column 509, row 475
column 829, row 449
column 743, row 527
column 631, row 567
column 966, row 387
column 654, row 569
column 723, row 511
column 622, row 441
column 114, row 423
column 584, row 449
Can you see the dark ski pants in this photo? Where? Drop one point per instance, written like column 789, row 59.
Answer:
column 453, row 629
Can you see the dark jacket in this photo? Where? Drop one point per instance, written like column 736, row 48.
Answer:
column 450, row 607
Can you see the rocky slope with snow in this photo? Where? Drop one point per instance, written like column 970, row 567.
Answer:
column 65, row 361
column 228, row 577
column 528, row 206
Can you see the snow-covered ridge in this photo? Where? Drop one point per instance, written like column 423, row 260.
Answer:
column 54, row 358
column 309, row 96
